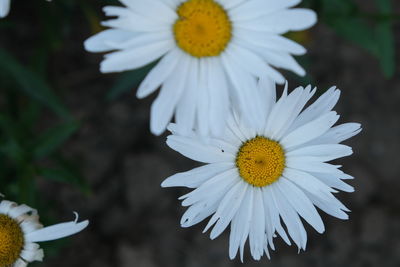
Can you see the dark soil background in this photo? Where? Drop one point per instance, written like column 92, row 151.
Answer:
column 134, row 222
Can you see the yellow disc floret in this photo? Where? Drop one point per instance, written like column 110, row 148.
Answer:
column 260, row 161
column 11, row 240
column 203, row 28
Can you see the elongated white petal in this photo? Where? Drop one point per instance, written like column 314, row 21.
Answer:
column 310, row 130
column 296, row 19
column 321, row 152
column 157, row 76
column 258, row 8
column 56, row 231
column 218, row 183
column 101, row 41
column 198, row 151
column 162, row 109
column 226, row 210
column 257, row 227
column 290, row 217
column 127, row 59
column 299, row 201
column 194, row 178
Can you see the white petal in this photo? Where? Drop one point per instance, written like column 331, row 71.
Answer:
column 4, row 8
column 218, row 183
column 56, row 231
column 226, row 210
column 256, row 8
column 33, row 254
column 240, row 225
column 296, row 19
column 200, row 210
column 245, row 92
column 334, row 181
column 159, row 73
column 310, row 130
column 21, row 209
column 229, row 4
column 322, row 105
column 307, row 182
column 135, row 58
column 100, row 42
column 301, row 203
column 195, row 177
column 163, row 107
column 185, row 115
column 6, row 205
column 194, row 149
column 267, row 90
column 268, row 41
column 273, row 218
column 338, row 134
column 132, row 21
column 257, row 227
column 202, row 104
column 321, row 152
column 290, row 217
column 219, row 97
column 333, row 209
column 283, row 115
column 155, row 9
column 20, row 263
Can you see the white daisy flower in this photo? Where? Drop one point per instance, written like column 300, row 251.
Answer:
column 207, row 51
column 275, row 170
column 20, row 229
column 4, row 8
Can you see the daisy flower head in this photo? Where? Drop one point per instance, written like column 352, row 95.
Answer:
column 4, row 8
column 260, row 175
column 207, row 52
column 20, row 230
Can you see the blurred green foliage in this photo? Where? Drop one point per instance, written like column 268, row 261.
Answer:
column 373, row 31
column 34, row 122
column 27, row 152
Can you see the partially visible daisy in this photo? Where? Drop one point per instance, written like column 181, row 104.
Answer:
column 208, row 50
column 275, row 170
column 20, row 229
column 4, row 8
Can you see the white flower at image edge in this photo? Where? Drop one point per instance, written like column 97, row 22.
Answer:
column 4, row 8
column 260, row 175
column 208, row 52
column 20, row 230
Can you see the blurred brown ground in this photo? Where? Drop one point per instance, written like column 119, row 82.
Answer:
column 136, row 223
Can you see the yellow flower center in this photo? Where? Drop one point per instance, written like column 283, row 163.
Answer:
column 203, row 28
column 11, row 240
column 260, row 161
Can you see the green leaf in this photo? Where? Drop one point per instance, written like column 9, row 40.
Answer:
column 31, row 84
column 52, row 139
column 13, row 150
column 385, row 39
column 64, row 175
column 357, row 31
column 128, row 81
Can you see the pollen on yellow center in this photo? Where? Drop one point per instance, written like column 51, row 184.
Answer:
column 260, row 161
column 203, row 28
column 11, row 240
